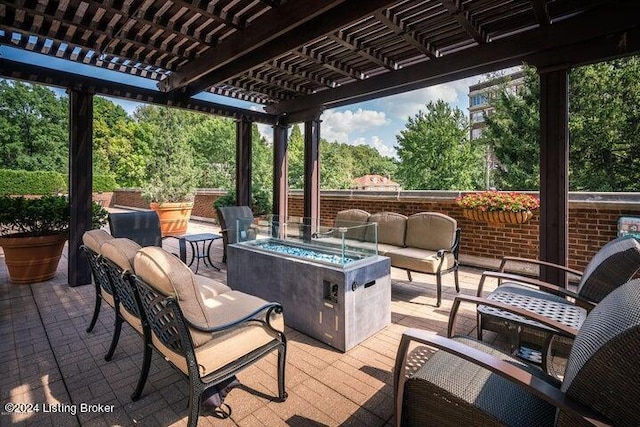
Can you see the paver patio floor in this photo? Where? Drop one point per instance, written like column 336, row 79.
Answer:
column 48, row 359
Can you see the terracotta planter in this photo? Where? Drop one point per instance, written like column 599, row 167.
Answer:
column 32, row 259
column 497, row 217
column 174, row 217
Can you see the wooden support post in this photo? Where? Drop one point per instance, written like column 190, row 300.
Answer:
column 243, row 162
column 312, row 174
column 80, row 181
column 554, row 172
column 280, row 177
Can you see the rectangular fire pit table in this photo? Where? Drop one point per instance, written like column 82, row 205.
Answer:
column 338, row 304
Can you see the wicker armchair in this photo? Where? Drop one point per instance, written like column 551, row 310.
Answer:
column 468, row 383
column 616, row 263
column 230, row 217
column 92, row 241
column 206, row 330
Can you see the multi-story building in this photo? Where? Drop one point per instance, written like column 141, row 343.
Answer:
column 479, row 93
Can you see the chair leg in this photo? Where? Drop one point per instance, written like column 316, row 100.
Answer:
column 116, row 336
column 144, row 373
column 456, row 279
column 409, row 276
column 96, row 312
column 195, row 395
column 282, row 357
column 439, row 289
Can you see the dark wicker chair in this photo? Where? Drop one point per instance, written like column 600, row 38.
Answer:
column 92, row 241
column 616, row 263
column 468, row 383
column 143, row 227
column 208, row 345
column 230, row 218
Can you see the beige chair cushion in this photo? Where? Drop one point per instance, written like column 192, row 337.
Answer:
column 385, row 249
column 222, row 349
column 353, row 218
column 391, row 228
column 419, row 260
column 171, row 277
column 120, row 251
column 93, row 239
column 430, row 230
column 131, row 319
column 210, row 288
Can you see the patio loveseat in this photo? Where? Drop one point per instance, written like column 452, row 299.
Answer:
column 426, row 242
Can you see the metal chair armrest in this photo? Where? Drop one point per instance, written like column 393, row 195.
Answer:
column 272, row 307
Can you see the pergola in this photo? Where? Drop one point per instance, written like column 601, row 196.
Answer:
column 299, row 57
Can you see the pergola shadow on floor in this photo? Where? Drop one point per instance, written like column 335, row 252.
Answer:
column 48, row 359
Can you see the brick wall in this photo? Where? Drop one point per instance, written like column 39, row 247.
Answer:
column 593, row 218
column 202, row 204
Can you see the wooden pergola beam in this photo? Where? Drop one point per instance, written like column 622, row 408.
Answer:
column 591, row 27
column 50, row 77
column 276, row 32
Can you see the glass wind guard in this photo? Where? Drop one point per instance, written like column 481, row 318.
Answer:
column 303, row 237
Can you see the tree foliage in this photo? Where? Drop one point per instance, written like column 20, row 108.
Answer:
column 435, row 152
column 604, row 121
column 513, row 134
column 34, row 128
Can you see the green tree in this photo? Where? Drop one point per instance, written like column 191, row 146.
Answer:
column 512, row 133
column 214, row 144
column 34, row 128
column 296, row 158
column 604, row 122
column 171, row 172
column 116, row 149
column 604, row 125
column 336, row 165
column 368, row 161
column 435, row 152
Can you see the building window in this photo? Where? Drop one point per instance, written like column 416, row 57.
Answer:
column 478, row 100
column 476, row 133
column 477, row 117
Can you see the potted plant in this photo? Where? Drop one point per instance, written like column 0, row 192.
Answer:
column 498, row 206
column 33, row 232
column 171, row 174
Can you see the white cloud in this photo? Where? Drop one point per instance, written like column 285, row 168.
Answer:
column 338, row 125
column 266, row 131
column 408, row 104
column 383, row 148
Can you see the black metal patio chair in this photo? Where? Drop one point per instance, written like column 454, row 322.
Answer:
column 209, row 333
column 92, row 241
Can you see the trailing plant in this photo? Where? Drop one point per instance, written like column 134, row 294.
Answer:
column 498, row 201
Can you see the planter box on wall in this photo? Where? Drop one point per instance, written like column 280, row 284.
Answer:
column 497, row 217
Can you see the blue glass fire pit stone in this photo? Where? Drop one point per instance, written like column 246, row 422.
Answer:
column 313, row 255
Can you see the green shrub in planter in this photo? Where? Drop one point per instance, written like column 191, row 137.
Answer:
column 41, row 216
